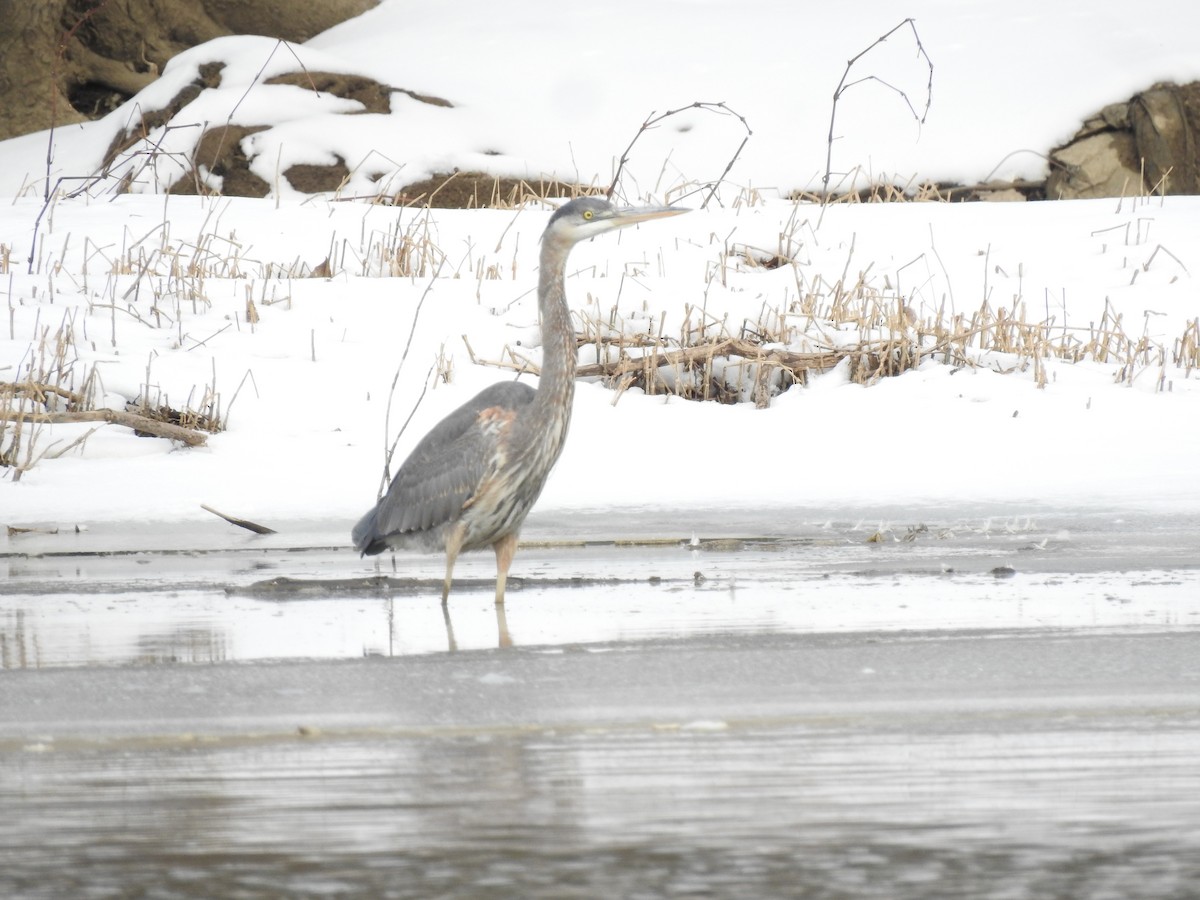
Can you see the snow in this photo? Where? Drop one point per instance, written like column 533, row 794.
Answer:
column 306, row 387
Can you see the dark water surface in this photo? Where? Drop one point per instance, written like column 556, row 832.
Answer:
column 818, row 716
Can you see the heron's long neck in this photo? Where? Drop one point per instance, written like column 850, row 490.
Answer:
column 556, row 387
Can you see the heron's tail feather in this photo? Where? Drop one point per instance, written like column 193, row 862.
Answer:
column 365, row 534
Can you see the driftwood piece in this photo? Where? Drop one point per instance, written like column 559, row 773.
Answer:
column 142, row 424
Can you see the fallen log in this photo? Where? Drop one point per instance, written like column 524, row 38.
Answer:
column 140, row 424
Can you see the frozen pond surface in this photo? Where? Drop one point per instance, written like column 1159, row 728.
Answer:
column 1003, row 707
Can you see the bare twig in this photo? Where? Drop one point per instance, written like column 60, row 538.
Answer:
column 59, row 55
column 253, row 84
column 844, row 86
column 37, row 223
column 391, row 449
column 653, row 120
column 71, row 446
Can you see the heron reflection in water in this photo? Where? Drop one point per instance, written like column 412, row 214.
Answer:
column 470, row 482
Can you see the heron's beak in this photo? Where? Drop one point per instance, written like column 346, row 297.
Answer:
column 630, row 215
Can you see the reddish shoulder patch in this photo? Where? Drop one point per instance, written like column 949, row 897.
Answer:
column 495, row 417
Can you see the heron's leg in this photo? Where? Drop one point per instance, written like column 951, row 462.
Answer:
column 451, row 643
column 504, row 639
column 505, row 548
column 454, row 542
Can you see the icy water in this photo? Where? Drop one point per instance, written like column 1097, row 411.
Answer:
column 1004, row 707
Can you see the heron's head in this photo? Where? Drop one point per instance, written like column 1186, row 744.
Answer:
column 587, row 217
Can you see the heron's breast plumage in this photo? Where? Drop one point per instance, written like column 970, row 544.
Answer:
column 526, row 447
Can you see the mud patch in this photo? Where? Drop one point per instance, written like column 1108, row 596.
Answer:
column 477, row 190
column 209, row 76
column 374, row 97
column 220, row 153
column 313, row 179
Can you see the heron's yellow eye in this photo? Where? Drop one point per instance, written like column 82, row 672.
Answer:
column 587, row 213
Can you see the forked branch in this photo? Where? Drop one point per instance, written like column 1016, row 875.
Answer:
column 656, row 118
column 845, row 84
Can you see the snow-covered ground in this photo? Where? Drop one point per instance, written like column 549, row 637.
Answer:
column 154, row 289
column 541, row 87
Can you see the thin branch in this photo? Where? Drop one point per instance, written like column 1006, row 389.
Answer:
column 654, row 119
column 844, row 86
column 391, row 450
column 253, row 84
column 59, row 56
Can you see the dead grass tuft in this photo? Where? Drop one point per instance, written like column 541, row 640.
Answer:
column 53, row 387
column 852, row 322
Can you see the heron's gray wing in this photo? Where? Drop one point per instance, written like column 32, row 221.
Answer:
column 442, row 472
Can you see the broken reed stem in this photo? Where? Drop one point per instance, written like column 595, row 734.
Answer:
column 39, row 391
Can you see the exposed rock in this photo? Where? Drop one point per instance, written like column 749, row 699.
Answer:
column 1146, row 144
column 1005, row 195
column 1103, row 164
column 1166, row 128
column 1116, row 115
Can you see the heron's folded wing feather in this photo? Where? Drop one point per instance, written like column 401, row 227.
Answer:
column 446, row 467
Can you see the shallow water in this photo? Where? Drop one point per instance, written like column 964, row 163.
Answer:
column 107, row 597
column 814, row 715
column 782, row 810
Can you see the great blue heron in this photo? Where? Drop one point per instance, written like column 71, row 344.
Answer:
column 472, row 480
